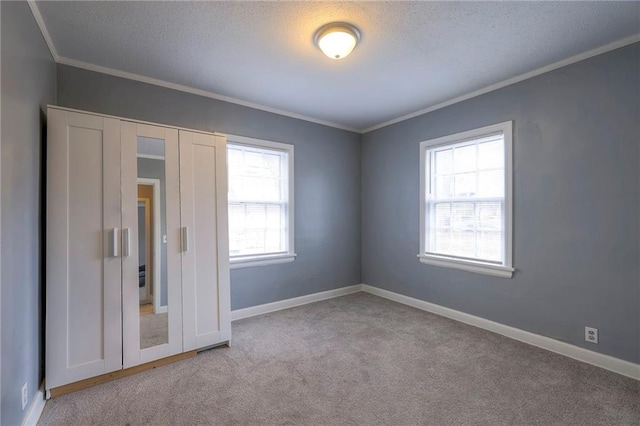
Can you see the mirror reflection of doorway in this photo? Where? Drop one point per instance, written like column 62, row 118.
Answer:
column 146, row 248
column 152, row 247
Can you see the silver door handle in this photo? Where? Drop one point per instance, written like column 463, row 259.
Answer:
column 114, row 242
column 185, row 239
column 126, row 242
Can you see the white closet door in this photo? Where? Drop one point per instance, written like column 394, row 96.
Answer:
column 150, row 332
column 83, row 317
column 205, row 251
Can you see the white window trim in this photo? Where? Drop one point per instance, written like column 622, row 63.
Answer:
column 247, row 261
column 504, row 270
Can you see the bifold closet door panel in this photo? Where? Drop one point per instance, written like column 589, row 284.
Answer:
column 83, row 307
column 205, row 249
column 152, row 305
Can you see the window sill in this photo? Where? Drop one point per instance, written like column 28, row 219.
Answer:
column 469, row 266
column 251, row 261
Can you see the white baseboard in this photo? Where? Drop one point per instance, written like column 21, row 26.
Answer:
column 35, row 408
column 252, row 311
column 607, row 362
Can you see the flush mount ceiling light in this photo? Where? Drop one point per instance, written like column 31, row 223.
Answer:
column 337, row 39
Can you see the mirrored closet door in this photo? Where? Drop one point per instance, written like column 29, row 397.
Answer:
column 137, row 246
column 151, row 268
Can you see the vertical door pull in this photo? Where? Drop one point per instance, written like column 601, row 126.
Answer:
column 185, row 239
column 114, row 242
column 126, row 242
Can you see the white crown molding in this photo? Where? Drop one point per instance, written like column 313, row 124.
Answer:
column 157, row 82
column 43, row 29
column 253, row 311
column 563, row 63
column 607, row 362
column 199, row 92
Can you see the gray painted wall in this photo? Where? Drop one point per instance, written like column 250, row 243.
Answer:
column 576, row 204
column 154, row 169
column 327, row 177
column 28, row 84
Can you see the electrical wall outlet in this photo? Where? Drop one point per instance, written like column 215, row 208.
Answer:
column 591, row 334
column 25, row 395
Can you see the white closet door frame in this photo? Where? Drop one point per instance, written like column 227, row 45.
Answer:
column 132, row 354
column 205, row 258
column 61, row 316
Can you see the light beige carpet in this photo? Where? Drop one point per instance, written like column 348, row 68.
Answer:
column 360, row 360
column 154, row 330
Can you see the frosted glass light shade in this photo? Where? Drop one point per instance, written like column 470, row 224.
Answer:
column 337, row 40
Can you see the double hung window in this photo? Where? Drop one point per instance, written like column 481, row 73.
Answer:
column 466, row 206
column 260, row 202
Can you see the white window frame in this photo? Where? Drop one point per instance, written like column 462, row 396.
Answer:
column 505, row 269
column 246, row 261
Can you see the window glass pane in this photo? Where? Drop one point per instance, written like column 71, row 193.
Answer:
column 462, row 216
column 444, row 186
column 463, row 243
column 234, row 160
column 236, row 227
column 272, row 164
column 491, row 183
column 253, row 163
column 258, row 200
column 442, row 219
column 271, row 189
column 489, row 216
column 254, row 241
column 462, row 238
column 465, row 185
column 491, row 155
column 273, row 240
column 489, row 245
column 235, row 187
column 464, row 159
column 444, row 162
column 275, row 216
column 251, row 189
column 256, row 216
column 443, row 241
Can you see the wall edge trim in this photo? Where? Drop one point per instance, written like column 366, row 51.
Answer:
column 199, row 92
column 279, row 305
column 616, row 365
column 516, row 79
column 43, row 29
column 166, row 84
column 36, row 407
column 182, row 88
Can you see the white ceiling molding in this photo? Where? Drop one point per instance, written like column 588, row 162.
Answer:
column 131, row 76
column 577, row 58
column 43, row 29
column 157, row 82
column 199, row 92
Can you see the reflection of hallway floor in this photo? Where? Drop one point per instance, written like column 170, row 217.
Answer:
column 154, row 329
column 147, row 308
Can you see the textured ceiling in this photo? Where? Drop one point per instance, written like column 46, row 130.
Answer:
column 412, row 55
